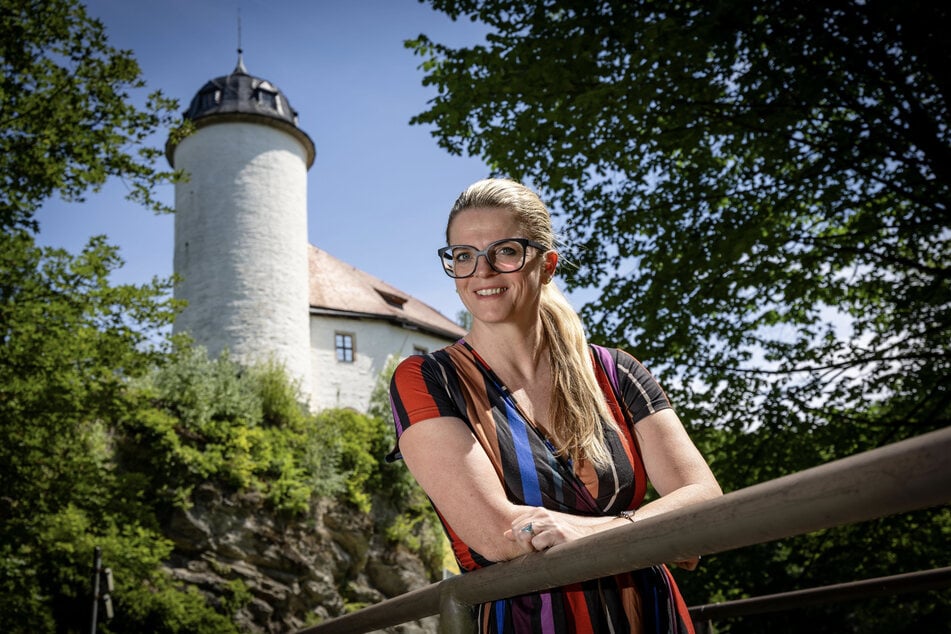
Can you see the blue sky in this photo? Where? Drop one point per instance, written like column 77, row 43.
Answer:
column 379, row 190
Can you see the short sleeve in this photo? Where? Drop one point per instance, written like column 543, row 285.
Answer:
column 638, row 390
column 421, row 389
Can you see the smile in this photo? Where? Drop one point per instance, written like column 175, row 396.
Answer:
column 485, row 292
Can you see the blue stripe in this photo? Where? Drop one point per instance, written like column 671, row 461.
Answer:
column 656, row 595
column 531, row 491
column 500, row 607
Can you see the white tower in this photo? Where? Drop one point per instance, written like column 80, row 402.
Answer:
column 241, row 224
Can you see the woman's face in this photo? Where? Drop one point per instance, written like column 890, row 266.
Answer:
column 493, row 297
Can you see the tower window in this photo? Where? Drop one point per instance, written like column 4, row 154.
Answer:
column 344, row 346
column 267, row 98
column 209, row 99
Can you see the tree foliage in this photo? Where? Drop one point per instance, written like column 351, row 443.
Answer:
column 756, row 196
column 68, row 123
column 70, row 341
column 758, row 190
column 70, row 344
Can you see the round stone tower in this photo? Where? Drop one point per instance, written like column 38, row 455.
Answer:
column 241, row 224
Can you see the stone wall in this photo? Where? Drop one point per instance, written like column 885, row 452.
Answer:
column 298, row 571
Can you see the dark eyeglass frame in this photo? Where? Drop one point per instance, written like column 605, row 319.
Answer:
column 525, row 242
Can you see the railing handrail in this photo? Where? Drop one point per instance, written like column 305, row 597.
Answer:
column 920, row 581
column 905, row 476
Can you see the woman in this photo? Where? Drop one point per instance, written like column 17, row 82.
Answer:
column 524, row 436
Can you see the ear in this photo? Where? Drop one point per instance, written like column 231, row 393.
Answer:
column 551, row 264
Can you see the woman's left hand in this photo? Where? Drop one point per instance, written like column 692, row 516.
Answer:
column 543, row 528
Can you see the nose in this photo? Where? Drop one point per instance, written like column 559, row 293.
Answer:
column 482, row 264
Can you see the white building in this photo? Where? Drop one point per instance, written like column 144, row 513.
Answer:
column 252, row 284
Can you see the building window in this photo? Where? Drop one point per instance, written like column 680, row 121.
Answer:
column 267, row 98
column 420, row 350
column 344, row 345
column 209, row 99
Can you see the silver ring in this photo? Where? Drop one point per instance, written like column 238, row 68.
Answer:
column 527, row 529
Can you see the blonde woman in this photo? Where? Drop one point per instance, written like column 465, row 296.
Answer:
column 524, row 436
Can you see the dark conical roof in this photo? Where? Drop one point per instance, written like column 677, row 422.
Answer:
column 241, row 96
column 241, row 92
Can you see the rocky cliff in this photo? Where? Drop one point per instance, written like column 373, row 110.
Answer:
column 278, row 574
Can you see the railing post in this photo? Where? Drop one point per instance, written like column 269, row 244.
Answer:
column 703, row 627
column 96, row 575
column 455, row 617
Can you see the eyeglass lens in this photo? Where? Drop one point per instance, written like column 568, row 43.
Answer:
column 505, row 256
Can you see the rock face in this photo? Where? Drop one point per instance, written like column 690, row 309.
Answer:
column 298, row 571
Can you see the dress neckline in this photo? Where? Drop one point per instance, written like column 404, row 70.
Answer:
column 510, row 398
column 484, row 365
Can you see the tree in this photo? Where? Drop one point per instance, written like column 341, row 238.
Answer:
column 70, row 343
column 733, row 179
column 67, row 123
column 757, row 191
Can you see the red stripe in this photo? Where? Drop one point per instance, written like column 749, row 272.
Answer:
column 679, row 604
column 578, row 606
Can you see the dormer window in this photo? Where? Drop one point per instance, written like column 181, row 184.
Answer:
column 268, row 99
column 394, row 300
column 209, row 99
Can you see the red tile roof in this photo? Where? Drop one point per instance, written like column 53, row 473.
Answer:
column 337, row 288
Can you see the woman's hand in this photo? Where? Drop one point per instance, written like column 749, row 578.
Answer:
column 542, row 528
column 688, row 564
column 539, row 528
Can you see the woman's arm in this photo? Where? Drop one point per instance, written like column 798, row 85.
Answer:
column 674, row 466
column 457, row 475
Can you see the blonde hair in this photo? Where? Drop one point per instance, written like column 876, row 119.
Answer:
column 577, row 404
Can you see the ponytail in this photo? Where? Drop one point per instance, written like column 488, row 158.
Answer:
column 577, row 404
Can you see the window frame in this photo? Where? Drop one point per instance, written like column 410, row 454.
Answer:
column 341, row 348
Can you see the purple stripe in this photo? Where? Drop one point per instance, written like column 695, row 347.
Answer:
column 396, row 419
column 610, row 368
column 547, row 616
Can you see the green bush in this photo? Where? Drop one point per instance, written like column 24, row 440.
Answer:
column 242, row 428
column 350, row 436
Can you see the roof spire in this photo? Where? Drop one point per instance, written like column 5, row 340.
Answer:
column 240, row 69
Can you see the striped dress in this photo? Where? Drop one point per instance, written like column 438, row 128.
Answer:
column 456, row 382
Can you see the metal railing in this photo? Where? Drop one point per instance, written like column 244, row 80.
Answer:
column 895, row 584
column 909, row 475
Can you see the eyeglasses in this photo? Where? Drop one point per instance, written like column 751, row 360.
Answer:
column 503, row 256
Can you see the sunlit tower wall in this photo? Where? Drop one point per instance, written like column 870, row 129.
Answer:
column 241, row 225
